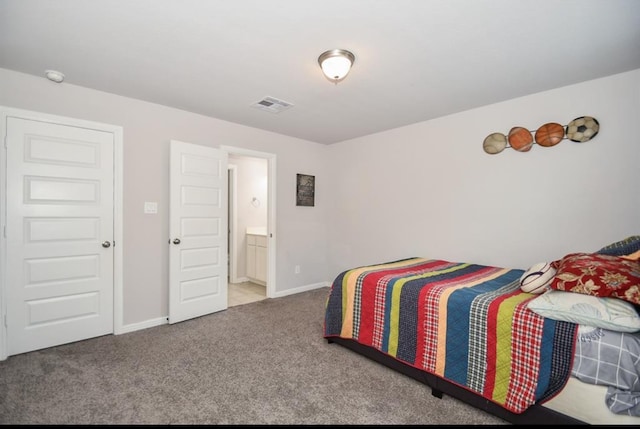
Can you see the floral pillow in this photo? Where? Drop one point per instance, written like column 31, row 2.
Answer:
column 598, row 275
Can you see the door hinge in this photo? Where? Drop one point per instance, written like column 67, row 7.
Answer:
column 5, row 321
column 4, row 231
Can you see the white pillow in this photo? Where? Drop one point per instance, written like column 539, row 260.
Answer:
column 601, row 312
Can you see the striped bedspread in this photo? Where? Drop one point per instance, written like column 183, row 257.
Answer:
column 466, row 323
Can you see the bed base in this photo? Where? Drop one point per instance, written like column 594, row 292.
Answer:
column 534, row 415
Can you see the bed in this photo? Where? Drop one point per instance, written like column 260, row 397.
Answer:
column 470, row 331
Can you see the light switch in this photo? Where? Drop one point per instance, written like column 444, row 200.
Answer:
column 150, row 207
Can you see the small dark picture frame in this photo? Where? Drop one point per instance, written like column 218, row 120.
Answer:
column 305, row 190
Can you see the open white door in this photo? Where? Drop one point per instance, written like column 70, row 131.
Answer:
column 198, row 231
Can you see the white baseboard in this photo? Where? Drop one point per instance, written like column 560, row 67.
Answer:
column 304, row 288
column 164, row 320
column 143, row 325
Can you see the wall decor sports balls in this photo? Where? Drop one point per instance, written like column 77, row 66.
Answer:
column 520, row 139
column 495, row 143
column 582, row 129
column 537, row 278
column 549, row 134
column 579, row 130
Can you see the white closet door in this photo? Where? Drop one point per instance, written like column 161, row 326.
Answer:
column 60, row 181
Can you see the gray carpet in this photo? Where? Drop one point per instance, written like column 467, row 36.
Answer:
column 259, row 363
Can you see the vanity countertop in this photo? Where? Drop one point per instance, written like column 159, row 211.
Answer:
column 257, row 230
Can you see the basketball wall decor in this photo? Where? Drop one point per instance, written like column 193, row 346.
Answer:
column 581, row 129
column 549, row 134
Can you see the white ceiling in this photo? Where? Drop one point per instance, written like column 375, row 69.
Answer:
column 415, row 59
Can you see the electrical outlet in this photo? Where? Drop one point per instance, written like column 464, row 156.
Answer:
column 296, row 270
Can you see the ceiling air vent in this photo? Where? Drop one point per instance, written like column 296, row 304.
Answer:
column 272, row 105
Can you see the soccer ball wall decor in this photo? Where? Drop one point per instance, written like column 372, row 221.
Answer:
column 579, row 130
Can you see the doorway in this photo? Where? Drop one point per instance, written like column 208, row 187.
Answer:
column 251, row 207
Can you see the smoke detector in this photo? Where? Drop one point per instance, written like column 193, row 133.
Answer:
column 54, row 76
column 272, row 105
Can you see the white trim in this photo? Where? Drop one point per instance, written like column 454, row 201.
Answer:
column 159, row 321
column 3, row 241
column 304, row 288
column 151, row 323
column 118, row 317
column 233, row 223
column 118, row 234
column 271, row 213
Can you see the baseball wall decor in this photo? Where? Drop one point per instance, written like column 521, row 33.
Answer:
column 579, row 130
column 495, row 143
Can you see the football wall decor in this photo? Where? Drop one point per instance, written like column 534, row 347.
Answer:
column 579, row 130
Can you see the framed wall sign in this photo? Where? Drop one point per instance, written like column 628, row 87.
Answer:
column 305, row 190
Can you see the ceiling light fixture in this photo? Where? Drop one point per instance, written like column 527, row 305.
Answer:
column 54, row 76
column 336, row 64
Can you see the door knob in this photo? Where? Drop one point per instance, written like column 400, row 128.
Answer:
column 106, row 244
column 176, row 241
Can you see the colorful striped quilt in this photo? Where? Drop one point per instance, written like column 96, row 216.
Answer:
column 466, row 323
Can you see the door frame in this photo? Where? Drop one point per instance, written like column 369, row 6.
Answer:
column 271, row 209
column 232, row 174
column 117, row 131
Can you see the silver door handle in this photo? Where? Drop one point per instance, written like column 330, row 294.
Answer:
column 106, row 244
column 176, row 241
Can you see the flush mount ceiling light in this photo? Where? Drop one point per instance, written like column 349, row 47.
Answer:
column 336, row 64
column 54, row 76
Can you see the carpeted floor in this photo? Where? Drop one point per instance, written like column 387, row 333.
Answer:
column 259, row 363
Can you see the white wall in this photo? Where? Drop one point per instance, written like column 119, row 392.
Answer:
column 423, row 190
column 430, row 190
column 147, row 130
